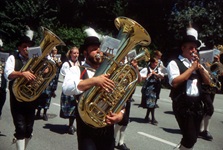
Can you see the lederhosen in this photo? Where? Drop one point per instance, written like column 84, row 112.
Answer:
column 23, row 113
column 90, row 138
column 188, row 110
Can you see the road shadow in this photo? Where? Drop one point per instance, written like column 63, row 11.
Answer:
column 57, row 128
column 173, row 131
column 139, row 120
column 2, row 134
column 169, row 112
column 136, row 104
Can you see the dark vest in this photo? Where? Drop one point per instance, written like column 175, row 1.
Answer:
column 181, row 89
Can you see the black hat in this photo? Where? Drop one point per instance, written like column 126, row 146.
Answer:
column 25, row 39
column 91, row 40
column 190, row 38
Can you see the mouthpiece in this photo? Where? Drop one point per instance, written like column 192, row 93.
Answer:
column 98, row 56
column 195, row 57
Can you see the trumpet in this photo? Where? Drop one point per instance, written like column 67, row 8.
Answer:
column 195, row 57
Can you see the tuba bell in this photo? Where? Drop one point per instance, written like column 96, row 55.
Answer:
column 28, row 91
column 96, row 103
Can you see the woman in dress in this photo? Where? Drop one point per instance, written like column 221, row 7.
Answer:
column 150, row 90
column 68, row 103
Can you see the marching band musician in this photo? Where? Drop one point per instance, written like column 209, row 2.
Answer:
column 3, row 81
column 185, row 77
column 68, row 103
column 23, row 113
column 208, row 93
column 46, row 96
column 151, row 88
column 120, row 127
column 76, row 82
column 208, row 100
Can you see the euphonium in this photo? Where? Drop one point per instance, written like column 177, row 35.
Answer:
column 216, row 70
column 29, row 91
column 96, row 103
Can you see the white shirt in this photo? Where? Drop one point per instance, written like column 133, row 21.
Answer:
column 72, row 79
column 144, row 72
column 173, row 72
column 66, row 66
column 10, row 65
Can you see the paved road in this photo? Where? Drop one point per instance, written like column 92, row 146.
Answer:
column 51, row 134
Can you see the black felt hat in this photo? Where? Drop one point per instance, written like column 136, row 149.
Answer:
column 91, row 40
column 25, row 39
column 189, row 39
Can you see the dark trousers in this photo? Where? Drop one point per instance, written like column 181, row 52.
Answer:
column 23, row 114
column 2, row 99
column 208, row 99
column 125, row 119
column 188, row 112
column 90, row 138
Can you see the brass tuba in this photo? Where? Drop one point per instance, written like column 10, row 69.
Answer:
column 28, row 91
column 216, row 70
column 96, row 103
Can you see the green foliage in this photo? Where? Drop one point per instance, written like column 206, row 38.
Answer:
column 165, row 21
column 206, row 17
column 119, row 7
column 71, row 36
column 19, row 14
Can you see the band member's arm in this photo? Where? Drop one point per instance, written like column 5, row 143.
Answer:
column 113, row 118
column 135, row 65
column 102, row 81
column 11, row 74
column 73, row 85
column 205, row 75
column 28, row 75
column 143, row 73
column 159, row 74
column 175, row 78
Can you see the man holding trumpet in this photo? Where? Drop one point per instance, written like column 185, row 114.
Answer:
column 186, row 75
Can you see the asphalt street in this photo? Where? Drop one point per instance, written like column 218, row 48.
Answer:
column 52, row 134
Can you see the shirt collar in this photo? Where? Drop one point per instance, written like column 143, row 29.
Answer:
column 22, row 58
column 183, row 58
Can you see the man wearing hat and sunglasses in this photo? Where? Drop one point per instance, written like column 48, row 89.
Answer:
column 186, row 75
column 23, row 113
column 90, row 138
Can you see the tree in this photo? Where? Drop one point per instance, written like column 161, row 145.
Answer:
column 17, row 15
column 206, row 16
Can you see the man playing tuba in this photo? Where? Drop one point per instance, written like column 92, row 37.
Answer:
column 22, row 113
column 79, row 80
